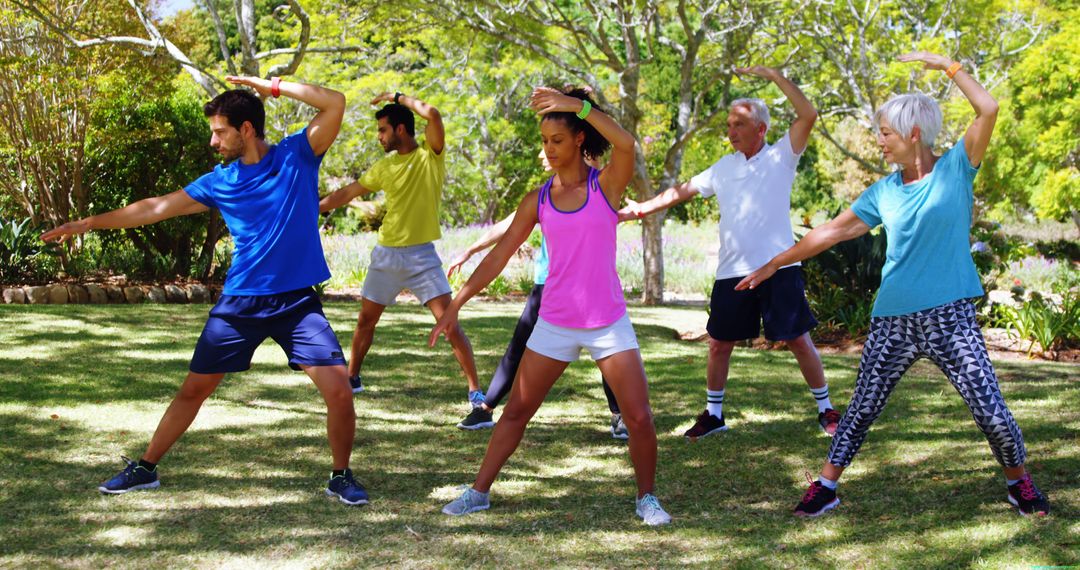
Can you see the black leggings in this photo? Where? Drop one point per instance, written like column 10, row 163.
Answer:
column 503, row 380
column 950, row 337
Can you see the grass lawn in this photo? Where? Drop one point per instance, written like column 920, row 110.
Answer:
column 80, row 385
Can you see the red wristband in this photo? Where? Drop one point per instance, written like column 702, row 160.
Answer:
column 640, row 214
column 275, row 87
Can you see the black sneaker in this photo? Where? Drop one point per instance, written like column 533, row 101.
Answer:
column 1028, row 499
column 706, row 424
column 347, row 489
column 829, row 420
column 134, row 477
column 356, row 383
column 618, row 428
column 478, row 418
column 817, row 501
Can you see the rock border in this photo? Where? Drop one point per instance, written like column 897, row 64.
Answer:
column 104, row 293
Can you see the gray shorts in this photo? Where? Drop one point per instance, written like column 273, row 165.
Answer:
column 415, row 267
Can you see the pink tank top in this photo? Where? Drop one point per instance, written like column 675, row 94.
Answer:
column 582, row 289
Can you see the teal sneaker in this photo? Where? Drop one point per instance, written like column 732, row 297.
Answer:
column 470, row 501
column 650, row 511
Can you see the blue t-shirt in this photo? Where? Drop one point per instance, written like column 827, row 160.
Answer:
column 540, row 268
column 927, row 223
column 272, row 211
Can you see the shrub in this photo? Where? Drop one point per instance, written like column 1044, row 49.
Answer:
column 23, row 256
column 1053, row 326
column 842, row 282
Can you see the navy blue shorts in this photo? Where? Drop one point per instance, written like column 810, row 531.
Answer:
column 780, row 302
column 238, row 324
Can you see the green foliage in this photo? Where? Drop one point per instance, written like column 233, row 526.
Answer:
column 842, row 281
column 499, row 287
column 23, row 256
column 148, row 140
column 1052, row 325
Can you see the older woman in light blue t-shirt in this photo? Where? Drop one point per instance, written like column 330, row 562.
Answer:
column 923, row 308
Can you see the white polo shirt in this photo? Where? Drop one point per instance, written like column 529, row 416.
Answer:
column 755, row 202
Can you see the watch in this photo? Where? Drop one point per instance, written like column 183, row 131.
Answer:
column 397, row 96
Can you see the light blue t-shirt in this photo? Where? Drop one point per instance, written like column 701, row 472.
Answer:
column 540, row 269
column 272, row 211
column 927, row 223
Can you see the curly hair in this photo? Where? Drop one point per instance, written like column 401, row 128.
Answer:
column 595, row 144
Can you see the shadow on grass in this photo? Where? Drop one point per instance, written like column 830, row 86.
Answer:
column 925, row 491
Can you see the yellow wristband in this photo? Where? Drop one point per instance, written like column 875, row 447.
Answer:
column 953, row 69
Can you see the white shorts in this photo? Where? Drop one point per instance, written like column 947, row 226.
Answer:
column 565, row 344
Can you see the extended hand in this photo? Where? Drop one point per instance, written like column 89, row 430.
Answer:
column 547, row 100
column 446, row 322
column 65, row 231
column 458, row 261
column 260, row 85
column 631, row 211
column 756, row 278
column 759, row 71
column 930, row 60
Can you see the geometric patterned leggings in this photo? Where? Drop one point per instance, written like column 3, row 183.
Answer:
column 949, row 336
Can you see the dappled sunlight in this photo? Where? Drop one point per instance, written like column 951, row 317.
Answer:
column 144, row 418
column 123, row 536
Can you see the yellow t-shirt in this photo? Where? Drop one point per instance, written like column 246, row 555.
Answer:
column 413, row 185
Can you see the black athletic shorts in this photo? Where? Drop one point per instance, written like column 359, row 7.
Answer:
column 780, row 302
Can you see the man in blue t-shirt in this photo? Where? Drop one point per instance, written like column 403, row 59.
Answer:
column 268, row 196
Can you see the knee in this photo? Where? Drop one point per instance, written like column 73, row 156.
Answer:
column 196, row 390
column 515, row 416
column 456, row 335
column 720, row 349
column 639, row 421
column 801, row 345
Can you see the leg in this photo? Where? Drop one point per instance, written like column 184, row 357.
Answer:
column 333, row 384
column 631, row 389
column 536, row 375
column 716, row 371
column 503, row 379
column 959, row 351
column 890, row 350
column 463, row 351
column 370, row 312
column 181, row 412
column 612, row 401
column 809, row 360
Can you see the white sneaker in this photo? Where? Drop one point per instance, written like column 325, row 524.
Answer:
column 470, row 501
column 650, row 511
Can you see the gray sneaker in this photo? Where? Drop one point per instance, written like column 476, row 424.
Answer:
column 650, row 511
column 618, row 428
column 470, row 501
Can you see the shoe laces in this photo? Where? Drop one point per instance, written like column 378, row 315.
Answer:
column 649, row 501
column 1027, row 489
column 812, row 491
column 129, row 471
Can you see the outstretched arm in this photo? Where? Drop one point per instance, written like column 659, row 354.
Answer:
column 494, row 234
column 841, row 228
column 341, row 196
column 620, row 170
column 141, row 213
column 434, row 133
column 977, row 136
column 675, row 195
column 324, row 128
column 492, row 265
column 805, row 114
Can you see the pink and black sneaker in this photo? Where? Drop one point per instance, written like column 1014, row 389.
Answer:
column 829, row 420
column 1027, row 498
column 817, row 501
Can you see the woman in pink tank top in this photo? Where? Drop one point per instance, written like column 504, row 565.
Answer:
column 583, row 305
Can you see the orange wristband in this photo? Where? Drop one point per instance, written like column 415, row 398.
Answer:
column 275, row 87
column 953, row 69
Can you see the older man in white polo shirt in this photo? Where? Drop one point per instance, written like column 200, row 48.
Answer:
column 753, row 189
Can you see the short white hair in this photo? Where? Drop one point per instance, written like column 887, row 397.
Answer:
column 909, row 110
column 758, row 110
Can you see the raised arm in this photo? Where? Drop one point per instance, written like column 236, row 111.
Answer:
column 620, row 170
column 494, row 234
column 141, row 213
column 341, row 196
column 977, row 136
column 841, row 228
column 324, row 128
column 805, row 113
column 492, row 265
column 662, row 201
column 434, row 133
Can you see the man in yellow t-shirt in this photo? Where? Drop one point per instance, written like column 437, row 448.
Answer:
column 411, row 176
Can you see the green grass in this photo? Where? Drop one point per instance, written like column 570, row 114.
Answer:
column 80, row 385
